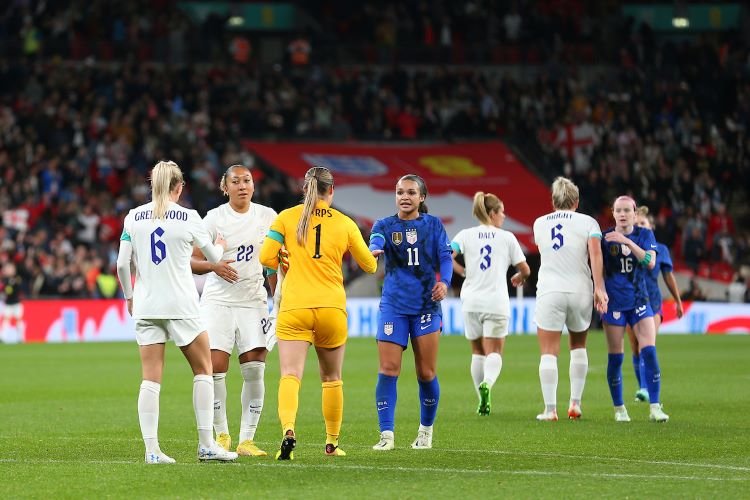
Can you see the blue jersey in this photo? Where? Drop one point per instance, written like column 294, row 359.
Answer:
column 415, row 250
column 663, row 265
column 624, row 277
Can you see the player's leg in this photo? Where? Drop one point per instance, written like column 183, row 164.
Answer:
column 645, row 330
column 578, row 320
column 614, row 329
column 330, row 343
column 152, row 367
column 494, row 331
column 550, row 318
column 392, row 338
column 473, row 332
column 221, row 328
column 425, row 360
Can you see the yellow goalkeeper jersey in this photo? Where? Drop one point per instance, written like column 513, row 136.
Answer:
column 315, row 278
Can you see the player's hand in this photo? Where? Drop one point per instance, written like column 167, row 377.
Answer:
column 377, row 253
column 130, row 306
column 601, row 301
column 226, row 272
column 220, row 241
column 616, row 237
column 284, row 260
column 439, row 291
column 680, row 311
column 517, row 280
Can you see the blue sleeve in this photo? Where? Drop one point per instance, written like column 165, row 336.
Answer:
column 666, row 259
column 649, row 242
column 377, row 236
column 445, row 255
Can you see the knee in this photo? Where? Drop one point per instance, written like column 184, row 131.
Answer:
column 390, row 369
column 426, row 374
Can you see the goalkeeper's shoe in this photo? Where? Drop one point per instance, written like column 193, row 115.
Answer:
column 215, row 453
column 574, row 411
column 288, row 443
column 423, row 440
column 621, row 414
column 247, row 448
column 657, row 414
column 158, row 457
column 484, row 399
column 224, row 440
column 333, row 450
column 386, row 442
column 547, row 416
column 641, row 395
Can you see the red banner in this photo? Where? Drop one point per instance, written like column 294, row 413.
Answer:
column 366, row 176
column 77, row 321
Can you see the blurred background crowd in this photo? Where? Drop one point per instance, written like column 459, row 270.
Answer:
column 93, row 93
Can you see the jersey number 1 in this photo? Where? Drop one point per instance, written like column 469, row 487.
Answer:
column 318, row 229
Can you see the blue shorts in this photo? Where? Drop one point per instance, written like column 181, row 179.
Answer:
column 656, row 307
column 398, row 328
column 628, row 317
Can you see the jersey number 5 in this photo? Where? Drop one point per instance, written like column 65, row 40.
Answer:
column 557, row 237
column 158, row 248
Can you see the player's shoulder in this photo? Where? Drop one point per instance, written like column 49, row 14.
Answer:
column 608, row 230
column 386, row 221
column 265, row 211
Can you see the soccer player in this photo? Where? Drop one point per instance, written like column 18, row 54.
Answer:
column 234, row 304
column 488, row 252
column 10, row 288
column 159, row 237
column 629, row 254
column 570, row 252
column 313, row 301
column 416, row 247
column 664, row 267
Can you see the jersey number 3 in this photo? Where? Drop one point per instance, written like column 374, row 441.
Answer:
column 484, row 253
column 158, row 248
column 557, row 237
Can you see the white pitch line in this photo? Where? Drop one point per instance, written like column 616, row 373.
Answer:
column 435, row 470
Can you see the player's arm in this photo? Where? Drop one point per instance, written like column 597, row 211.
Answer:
column 269, row 252
column 596, row 261
column 124, row 258
column 199, row 265
column 523, row 271
column 671, row 283
column 445, row 259
column 360, row 251
column 377, row 239
column 457, row 268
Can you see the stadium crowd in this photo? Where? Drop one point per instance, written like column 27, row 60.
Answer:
column 77, row 138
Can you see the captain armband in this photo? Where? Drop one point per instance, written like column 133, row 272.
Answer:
column 646, row 259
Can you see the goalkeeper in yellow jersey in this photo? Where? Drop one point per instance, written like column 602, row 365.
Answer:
column 313, row 301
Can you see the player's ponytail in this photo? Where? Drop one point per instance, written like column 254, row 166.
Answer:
column 318, row 182
column 422, row 189
column 484, row 205
column 165, row 177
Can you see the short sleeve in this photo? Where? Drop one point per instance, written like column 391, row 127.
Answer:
column 200, row 235
column 594, row 230
column 516, row 254
column 458, row 243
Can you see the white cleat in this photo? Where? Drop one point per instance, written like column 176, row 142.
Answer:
column 657, row 414
column 547, row 416
column 158, row 457
column 621, row 415
column 386, row 442
column 215, row 453
column 423, row 441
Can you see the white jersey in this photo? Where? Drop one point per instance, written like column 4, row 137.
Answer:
column 562, row 237
column 244, row 234
column 488, row 252
column 162, row 248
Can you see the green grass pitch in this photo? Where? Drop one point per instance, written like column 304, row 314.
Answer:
column 70, row 429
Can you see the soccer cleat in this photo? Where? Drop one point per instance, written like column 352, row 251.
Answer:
column 574, row 412
column 158, row 457
column 215, row 453
column 657, row 414
column 484, row 399
column 386, row 442
column 224, row 440
column 547, row 416
column 423, row 441
column 247, row 448
column 641, row 395
column 621, row 415
column 288, row 444
column 333, row 450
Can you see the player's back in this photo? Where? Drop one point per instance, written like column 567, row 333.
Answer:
column 562, row 237
column 315, row 278
column 162, row 248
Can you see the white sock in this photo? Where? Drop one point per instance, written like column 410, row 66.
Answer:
column 253, row 394
column 220, row 403
column 203, row 396
column 579, row 367
column 548, row 378
column 425, row 428
column 477, row 370
column 493, row 363
column 148, row 414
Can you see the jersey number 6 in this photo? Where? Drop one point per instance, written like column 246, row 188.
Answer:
column 158, row 248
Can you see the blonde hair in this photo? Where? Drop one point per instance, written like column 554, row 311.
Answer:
column 643, row 211
column 165, row 176
column 223, row 183
column 564, row 194
column 318, row 181
column 484, row 205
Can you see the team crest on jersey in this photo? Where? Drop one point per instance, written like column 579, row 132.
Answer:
column 614, row 250
column 388, row 327
column 625, row 250
column 397, row 238
column 411, row 236
column 616, row 314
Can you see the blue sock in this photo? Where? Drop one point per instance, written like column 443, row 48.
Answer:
column 429, row 396
column 614, row 377
column 637, row 368
column 653, row 373
column 385, row 401
column 642, row 374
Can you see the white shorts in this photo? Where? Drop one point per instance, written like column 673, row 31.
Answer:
column 14, row 311
column 242, row 327
column 558, row 309
column 491, row 326
column 158, row 331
